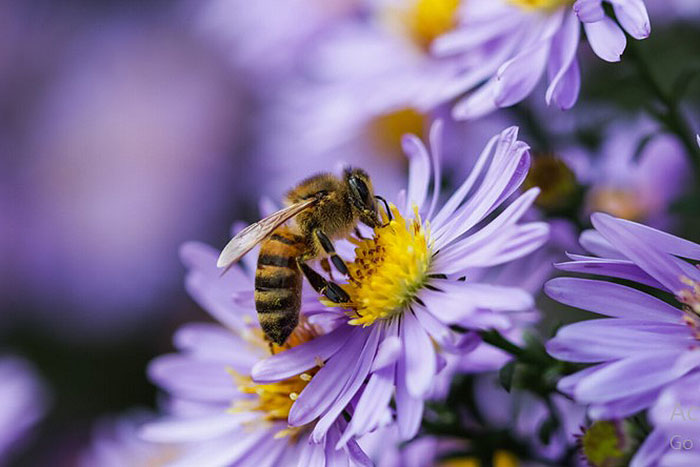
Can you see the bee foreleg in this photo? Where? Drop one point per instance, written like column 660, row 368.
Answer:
column 326, row 266
column 330, row 290
column 327, row 246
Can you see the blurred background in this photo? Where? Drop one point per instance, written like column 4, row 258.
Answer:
column 128, row 127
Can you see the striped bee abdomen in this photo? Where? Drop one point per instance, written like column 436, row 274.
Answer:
column 278, row 282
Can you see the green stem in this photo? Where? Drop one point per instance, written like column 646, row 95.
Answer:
column 495, row 339
column 672, row 116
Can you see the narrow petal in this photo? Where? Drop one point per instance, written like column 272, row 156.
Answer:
column 633, row 16
column 633, row 376
column 325, row 387
column 357, row 379
column 178, row 429
column 606, row 39
column 563, row 74
column 420, row 357
column 418, row 171
column 611, row 339
column 642, row 251
column 192, row 378
column 619, row 268
column 302, row 357
column 589, row 11
column 607, row 298
column 374, row 400
column 409, row 410
column 518, row 77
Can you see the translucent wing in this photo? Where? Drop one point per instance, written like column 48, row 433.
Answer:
column 246, row 239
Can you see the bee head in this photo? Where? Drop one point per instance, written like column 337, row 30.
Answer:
column 362, row 196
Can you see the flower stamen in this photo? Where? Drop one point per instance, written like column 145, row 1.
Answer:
column 275, row 400
column 389, row 269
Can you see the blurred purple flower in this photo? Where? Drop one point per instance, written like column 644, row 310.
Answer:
column 513, row 42
column 647, row 343
column 411, row 295
column 127, row 134
column 227, row 418
column 638, row 187
column 24, row 403
column 116, row 443
column 266, row 39
column 674, row 419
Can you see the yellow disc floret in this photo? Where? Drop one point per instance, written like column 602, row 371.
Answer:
column 420, row 21
column 541, row 4
column 388, row 269
column 274, row 400
column 428, row 19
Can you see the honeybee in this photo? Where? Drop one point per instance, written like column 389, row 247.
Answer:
column 323, row 207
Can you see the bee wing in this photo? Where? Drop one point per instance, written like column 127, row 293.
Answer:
column 246, row 239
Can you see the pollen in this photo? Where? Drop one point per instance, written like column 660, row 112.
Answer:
column 273, row 401
column 389, row 269
column 690, row 297
column 541, row 4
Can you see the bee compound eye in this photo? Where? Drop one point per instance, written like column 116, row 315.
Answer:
column 361, row 188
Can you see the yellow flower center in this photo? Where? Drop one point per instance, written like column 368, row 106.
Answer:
column 388, row 269
column 428, row 19
column 385, row 131
column 541, row 4
column 555, row 179
column 617, row 202
column 603, row 444
column 274, row 400
column 500, row 459
column 421, row 21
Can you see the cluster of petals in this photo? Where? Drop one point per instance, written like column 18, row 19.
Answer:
column 511, row 46
column 645, row 343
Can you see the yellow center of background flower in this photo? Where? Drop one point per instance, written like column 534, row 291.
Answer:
column 541, row 4
column 388, row 269
column 420, row 21
column 385, row 131
column 428, row 19
column 556, row 180
column 500, row 459
column 620, row 203
column 274, row 400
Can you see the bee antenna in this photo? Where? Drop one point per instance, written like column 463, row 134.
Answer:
column 386, row 206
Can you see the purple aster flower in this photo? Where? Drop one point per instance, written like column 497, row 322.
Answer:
column 645, row 343
column 225, row 417
column 410, row 282
column 511, row 43
column 637, row 187
column 675, row 420
column 116, row 443
column 25, row 402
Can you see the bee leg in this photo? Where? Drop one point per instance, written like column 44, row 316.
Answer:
column 326, row 266
column 327, row 246
column 330, row 290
